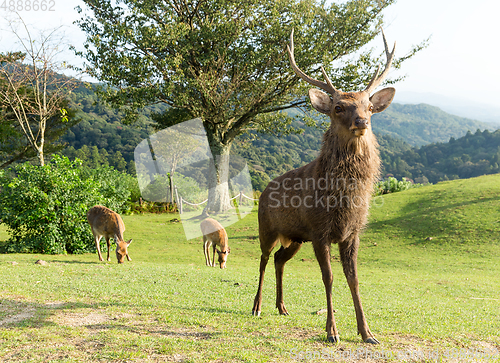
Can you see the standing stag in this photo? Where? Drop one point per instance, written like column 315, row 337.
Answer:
column 327, row 200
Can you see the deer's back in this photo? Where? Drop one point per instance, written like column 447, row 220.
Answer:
column 105, row 222
column 213, row 231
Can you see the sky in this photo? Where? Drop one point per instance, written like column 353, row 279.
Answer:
column 459, row 67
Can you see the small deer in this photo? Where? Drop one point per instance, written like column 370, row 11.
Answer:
column 108, row 224
column 214, row 234
column 327, row 200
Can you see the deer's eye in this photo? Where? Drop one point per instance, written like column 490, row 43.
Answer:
column 370, row 108
column 338, row 109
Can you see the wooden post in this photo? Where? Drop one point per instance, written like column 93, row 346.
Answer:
column 241, row 198
column 179, row 201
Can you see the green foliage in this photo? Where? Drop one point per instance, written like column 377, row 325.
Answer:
column 45, row 207
column 392, row 185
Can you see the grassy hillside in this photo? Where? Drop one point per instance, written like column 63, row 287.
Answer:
column 429, row 274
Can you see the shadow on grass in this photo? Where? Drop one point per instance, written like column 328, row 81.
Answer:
column 79, row 262
column 183, row 333
column 16, row 313
column 213, row 310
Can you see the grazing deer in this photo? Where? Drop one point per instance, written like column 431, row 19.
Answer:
column 214, row 234
column 327, row 200
column 108, row 224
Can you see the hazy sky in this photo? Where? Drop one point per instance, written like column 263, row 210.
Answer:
column 462, row 60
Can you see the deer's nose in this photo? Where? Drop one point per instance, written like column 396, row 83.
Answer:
column 361, row 123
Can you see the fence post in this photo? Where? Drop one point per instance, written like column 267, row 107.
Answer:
column 241, row 198
column 179, row 201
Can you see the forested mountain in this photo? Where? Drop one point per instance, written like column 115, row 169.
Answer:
column 101, row 138
column 423, row 124
column 469, row 156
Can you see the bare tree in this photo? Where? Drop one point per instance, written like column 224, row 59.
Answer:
column 33, row 89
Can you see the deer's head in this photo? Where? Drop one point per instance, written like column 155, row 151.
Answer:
column 350, row 112
column 121, row 249
column 223, row 257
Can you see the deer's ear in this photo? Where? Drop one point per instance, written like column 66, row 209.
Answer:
column 382, row 99
column 320, row 101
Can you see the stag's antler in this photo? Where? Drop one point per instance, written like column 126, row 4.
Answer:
column 326, row 86
column 376, row 80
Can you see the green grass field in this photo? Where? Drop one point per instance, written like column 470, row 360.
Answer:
column 429, row 276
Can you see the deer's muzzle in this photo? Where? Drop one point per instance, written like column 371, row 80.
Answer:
column 359, row 126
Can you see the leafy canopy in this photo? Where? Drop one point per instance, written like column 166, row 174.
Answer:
column 225, row 61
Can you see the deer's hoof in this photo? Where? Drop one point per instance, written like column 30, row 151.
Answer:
column 333, row 339
column 255, row 313
column 372, row 340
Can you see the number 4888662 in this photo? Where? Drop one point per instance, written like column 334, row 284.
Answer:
column 28, row 5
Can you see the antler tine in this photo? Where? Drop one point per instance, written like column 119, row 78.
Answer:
column 328, row 86
column 376, row 80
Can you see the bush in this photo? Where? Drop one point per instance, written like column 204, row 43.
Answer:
column 392, row 185
column 45, row 207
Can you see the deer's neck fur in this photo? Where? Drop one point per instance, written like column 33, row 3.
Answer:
column 352, row 164
column 345, row 156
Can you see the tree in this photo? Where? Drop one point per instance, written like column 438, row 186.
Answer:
column 15, row 147
column 225, row 61
column 174, row 145
column 31, row 91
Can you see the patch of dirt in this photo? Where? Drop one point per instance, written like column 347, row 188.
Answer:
column 24, row 314
column 79, row 319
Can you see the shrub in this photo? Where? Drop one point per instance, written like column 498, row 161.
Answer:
column 44, row 207
column 392, row 185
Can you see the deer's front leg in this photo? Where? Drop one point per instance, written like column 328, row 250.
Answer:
column 109, row 247
column 349, row 256
column 213, row 255
column 322, row 251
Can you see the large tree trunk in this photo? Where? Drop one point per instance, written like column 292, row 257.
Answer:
column 218, row 177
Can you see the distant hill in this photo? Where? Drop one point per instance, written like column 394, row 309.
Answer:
column 469, row 156
column 423, row 124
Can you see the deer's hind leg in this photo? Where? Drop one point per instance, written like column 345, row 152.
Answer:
column 267, row 243
column 97, row 240
column 206, row 250
column 280, row 258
